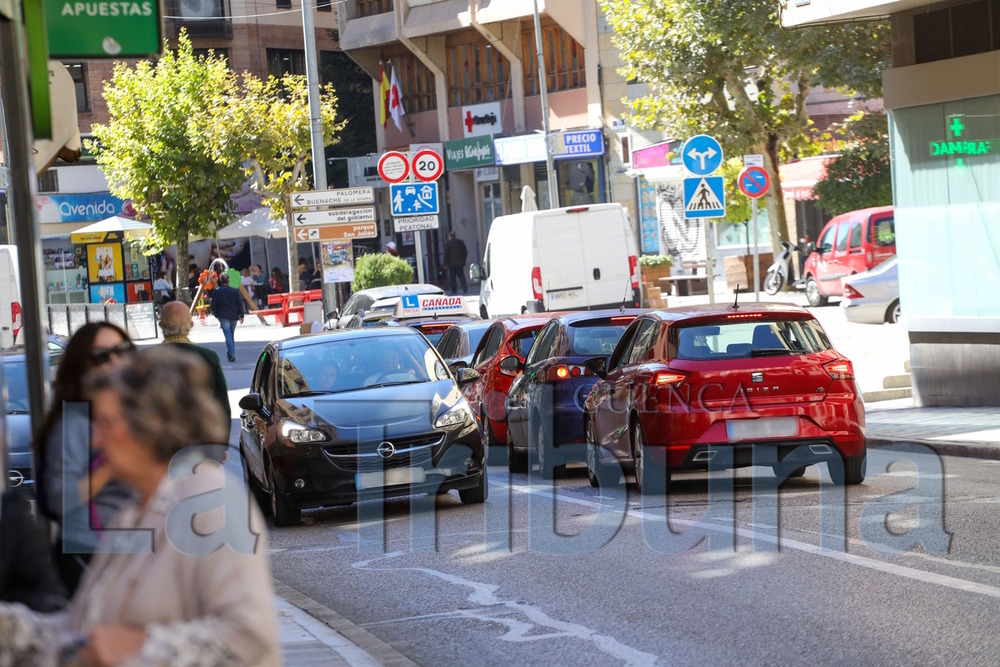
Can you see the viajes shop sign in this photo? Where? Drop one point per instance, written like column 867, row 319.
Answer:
column 469, row 153
column 103, row 28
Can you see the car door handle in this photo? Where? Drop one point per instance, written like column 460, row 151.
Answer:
column 597, row 274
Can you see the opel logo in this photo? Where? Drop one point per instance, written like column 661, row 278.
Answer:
column 386, row 449
column 15, row 477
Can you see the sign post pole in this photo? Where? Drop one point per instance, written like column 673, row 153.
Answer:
column 418, row 239
column 709, row 263
column 756, row 252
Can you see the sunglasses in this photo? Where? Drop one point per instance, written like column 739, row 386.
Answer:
column 102, row 355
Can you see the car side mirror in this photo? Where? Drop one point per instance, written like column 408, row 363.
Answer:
column 475, row 273
column 252, row 403
column 457, row 365
column 466, row 376
column 598, row 366
column 511, row 365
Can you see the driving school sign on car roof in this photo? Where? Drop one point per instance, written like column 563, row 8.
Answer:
column 417, row 305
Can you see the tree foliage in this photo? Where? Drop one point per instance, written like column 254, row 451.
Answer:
column 151, row 149
column 859, row 177
column 263, row 127
column 727, row 68
column 379, row 269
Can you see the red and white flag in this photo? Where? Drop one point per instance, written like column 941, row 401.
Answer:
column 396, row 101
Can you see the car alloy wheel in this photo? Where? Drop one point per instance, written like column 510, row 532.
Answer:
column 477, row 494
column 813, row 296
column 516, row 461
column 593, row 460
column 649, row 479
column 282, row 513
column 892, row 315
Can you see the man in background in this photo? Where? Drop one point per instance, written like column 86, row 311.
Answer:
column 455, row 254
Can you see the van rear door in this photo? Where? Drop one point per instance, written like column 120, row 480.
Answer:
column 558, row 253
column 605, row 241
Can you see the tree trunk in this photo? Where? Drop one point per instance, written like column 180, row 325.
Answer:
column 775, row 199
column 293, row 247
column 182, row 268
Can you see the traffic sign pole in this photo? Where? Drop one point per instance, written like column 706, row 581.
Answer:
column 756, row 253
column 709, row 262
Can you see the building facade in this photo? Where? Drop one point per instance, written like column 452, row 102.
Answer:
column 942, row 94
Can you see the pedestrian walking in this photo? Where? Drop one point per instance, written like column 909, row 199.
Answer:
column 227, row 306
column 177, row 601
column 455, row 254
column 176, row 323
column 62, row 454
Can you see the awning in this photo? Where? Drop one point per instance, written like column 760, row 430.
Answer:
column 110, row 229
column 798, row 178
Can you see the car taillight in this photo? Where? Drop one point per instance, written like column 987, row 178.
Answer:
column 839, row 369
column 668, row 378
column 622, row 319
column 633, row 270
column 536, row 283
column 565, row 372
column 851, row 293
column 745, row 316
column 15, row 318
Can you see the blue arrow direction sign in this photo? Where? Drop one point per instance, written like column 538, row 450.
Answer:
column 704, row 197
column 702, row 155
column 414, row 198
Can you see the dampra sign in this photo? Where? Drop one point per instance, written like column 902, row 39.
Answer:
column 103, row 29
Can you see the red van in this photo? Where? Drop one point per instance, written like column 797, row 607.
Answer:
column 850, row 243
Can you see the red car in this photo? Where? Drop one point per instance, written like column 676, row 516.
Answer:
column 717, row 387
column 850, row 243
column 507, row 336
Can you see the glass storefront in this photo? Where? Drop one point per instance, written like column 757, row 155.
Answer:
column 946, row 184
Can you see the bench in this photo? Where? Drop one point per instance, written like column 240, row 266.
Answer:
column 287, row 304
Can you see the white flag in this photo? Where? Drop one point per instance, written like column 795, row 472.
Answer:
column 396, row 101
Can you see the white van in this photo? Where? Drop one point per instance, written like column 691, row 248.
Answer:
column 10, row 296
column 576, row 258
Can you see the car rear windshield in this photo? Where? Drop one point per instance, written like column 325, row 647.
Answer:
column 17, row 385
column 596, row 337
column 357, row 363
column 742, row 339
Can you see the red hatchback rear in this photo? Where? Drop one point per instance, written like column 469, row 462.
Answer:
column 850, row 243
column 715, row 387
column 486, row 396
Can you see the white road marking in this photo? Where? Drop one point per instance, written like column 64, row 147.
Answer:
column 852, row 559
column 519, row 631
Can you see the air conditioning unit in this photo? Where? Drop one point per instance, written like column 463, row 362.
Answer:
column 191, row 9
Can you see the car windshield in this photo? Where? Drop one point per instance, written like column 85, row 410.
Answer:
column 744, row 339
column 594, row 338
column 17, row 385
column 476, row 335
column 357, row 363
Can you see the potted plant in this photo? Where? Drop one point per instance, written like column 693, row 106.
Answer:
column 654, row 267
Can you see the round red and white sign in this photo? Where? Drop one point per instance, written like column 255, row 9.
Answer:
column 427, row 165
column 393, row 167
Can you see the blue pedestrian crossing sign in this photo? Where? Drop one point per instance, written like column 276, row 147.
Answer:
column 413, row 198
column 702, row 155
column 704, row 197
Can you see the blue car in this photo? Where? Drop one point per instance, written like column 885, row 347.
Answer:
column 545, row 403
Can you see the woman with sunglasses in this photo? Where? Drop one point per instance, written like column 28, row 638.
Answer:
column 75, row 488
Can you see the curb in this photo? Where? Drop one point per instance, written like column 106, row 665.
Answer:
column 380, row 651
column 971, row 450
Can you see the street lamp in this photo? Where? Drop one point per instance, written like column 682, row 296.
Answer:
column 543, row 91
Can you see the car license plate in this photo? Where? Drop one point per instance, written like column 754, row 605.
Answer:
column 374, row 480
column 563, row 296
column 738, row 430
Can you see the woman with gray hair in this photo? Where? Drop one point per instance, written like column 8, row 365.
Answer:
column 191, row 589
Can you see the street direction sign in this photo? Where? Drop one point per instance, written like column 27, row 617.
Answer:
column 341, row 197
column 415, row 223
column 337, row 216
column 393, row 167
column 704, row 197
column 427, row 165
column 414, row 198
column 753, row 182
column 702, row 155
column 364, row 230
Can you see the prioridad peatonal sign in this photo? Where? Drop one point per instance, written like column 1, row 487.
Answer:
column 103, row 28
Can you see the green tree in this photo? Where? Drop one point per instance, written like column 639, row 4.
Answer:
column 379, row 269
column 150, row 149
column 727, row 68
column 263, row 128
column 859, row 177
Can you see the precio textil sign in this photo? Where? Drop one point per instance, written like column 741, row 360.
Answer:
column 103, row 29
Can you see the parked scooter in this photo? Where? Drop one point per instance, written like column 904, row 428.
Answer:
column 778, row 272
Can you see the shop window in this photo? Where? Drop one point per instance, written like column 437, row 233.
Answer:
column 49, row 181
column 285, row 61
column 579, row 182
column 476, row 73
column 564, row 63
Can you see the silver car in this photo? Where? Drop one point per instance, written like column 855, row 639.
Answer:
column 872, row 297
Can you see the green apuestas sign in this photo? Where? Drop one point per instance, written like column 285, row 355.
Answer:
column 103, row 28
column 469, row 153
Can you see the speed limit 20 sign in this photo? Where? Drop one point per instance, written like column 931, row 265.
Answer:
column 427, row 165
